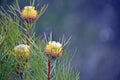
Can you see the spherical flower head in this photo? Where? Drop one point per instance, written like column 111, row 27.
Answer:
column 22, row 50
column 29, row 12
column 54, row 48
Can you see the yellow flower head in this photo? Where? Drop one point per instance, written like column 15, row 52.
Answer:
column 22, row 50
column 29, row 12
column 54, row 48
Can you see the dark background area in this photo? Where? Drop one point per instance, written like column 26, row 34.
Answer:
column 95, row 29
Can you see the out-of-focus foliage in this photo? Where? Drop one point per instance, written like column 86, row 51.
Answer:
column 12, row 33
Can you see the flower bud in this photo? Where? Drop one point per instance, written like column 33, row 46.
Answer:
column 22, row 50
column 54, row 48
column 29, row 12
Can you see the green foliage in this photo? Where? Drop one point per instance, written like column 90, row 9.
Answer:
column 12, row 33
column 63, row 69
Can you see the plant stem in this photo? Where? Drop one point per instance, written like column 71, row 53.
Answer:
column 27, row 33
column 10, row 77
column 49, row 65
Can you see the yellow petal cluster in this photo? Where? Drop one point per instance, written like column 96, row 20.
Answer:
column 54, row 48
column 29, row 12
column 22, row 50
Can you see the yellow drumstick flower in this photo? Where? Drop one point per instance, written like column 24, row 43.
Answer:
column 54, row 48
column 22, row 50
column 29, row 12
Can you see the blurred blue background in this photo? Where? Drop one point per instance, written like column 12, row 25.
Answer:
column 95, row 29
